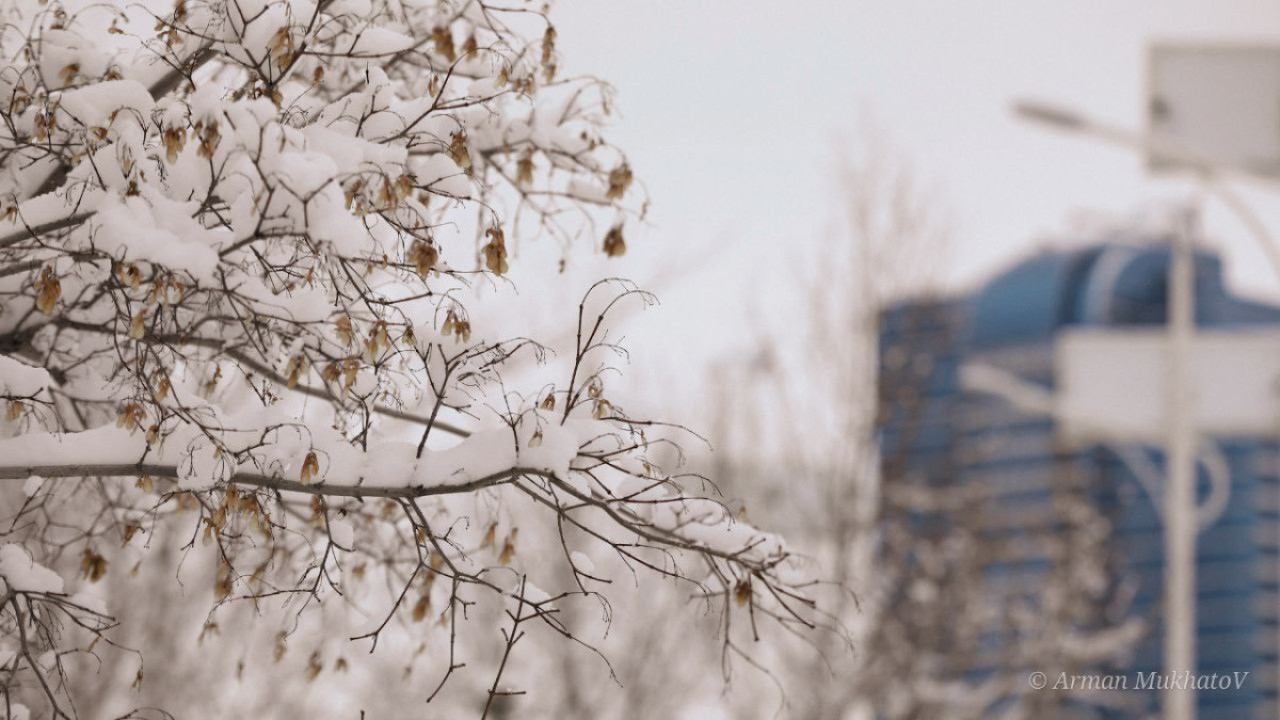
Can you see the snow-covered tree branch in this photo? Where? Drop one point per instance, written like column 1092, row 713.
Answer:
column 240, row 248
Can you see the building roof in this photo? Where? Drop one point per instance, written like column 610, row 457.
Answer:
column 1105, row 284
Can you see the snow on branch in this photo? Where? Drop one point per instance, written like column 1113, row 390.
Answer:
column 238, row 246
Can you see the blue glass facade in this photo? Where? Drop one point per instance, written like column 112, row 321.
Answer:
column 935, row 435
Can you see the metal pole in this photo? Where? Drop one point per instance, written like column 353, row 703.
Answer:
column 1211, row 172
column 1180, row 523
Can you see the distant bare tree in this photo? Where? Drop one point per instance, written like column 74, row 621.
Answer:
column 799, row 434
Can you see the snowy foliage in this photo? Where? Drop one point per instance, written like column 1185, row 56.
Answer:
column 240, row 242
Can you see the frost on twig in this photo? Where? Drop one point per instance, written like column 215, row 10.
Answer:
column 238, row 240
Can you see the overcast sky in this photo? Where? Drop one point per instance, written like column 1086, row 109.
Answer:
column 731, row 112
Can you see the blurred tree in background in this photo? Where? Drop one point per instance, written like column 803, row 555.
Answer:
column 798, row 443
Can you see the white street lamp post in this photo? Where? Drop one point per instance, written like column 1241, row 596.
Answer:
column 1181, row 440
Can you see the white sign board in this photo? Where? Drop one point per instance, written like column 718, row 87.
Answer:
column 1111, row 384
column 1218, row 101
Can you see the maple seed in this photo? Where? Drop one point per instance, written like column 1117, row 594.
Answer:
column 297, row 367
column 619, row 181
column 456, row 326
column 421, row 608
column 602, row 409
column 614, row 245
column 281, row 46
column 495, row 253
column 508, row 548
column 443, row 40
column 138, row 328
column 48, row 290
column 343, row 327
column 93, row 565
column 424, row 257
column 524, row 169
column 209, row 139
column 68, row 73
column 174, row 140
column 458, row 150
column 131, row 416
column 310, row 468
column 548, row 45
